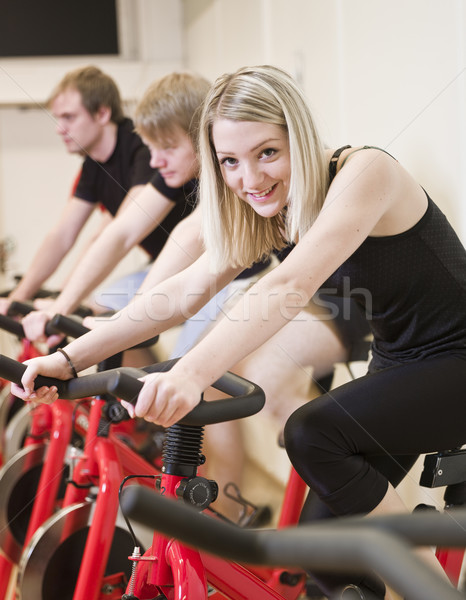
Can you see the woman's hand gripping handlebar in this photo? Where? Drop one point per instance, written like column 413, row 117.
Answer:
column 350, row 544
column 165, row 398
column 53, row 365
column 246, row 397
column 58, row 325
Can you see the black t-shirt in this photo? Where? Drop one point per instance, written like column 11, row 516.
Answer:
column 110, row 181
column 181, row 195
column 184, row 199
column 128, row 166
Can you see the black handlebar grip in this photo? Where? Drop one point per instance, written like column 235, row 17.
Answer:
column 105, row 382
column 87, row 385
column 10, row 369
column 24, row 308
column 59, row 324
column 178, row 520
column 322, row 546
column 65, row 325
column 124, row 383
column 11, row 326
column 247, row 399
column 20, row 308
column 185, row 522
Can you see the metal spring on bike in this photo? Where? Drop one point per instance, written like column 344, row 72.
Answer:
column 134, row 566
column 182, row 449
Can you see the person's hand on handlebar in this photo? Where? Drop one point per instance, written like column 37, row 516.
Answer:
column 4, row 305
column 44, row 304
column 53, row 365
column 165, row 398
column 34, row 328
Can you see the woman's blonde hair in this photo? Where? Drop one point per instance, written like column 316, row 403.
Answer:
column 234, row 233
column 172, row 101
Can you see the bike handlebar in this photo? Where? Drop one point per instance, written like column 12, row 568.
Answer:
column 11, row 326
column 349, row 543
column 67, row 325
column 58, row 324
column 24, row 308
column 51, row 328
column 247, row 398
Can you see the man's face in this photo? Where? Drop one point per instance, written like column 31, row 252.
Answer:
column 81, row 132
column 175, row 158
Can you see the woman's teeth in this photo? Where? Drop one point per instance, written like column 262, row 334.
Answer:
column 262, row 194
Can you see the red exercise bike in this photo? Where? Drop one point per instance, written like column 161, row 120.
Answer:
column 165, row 569
column 34, row 481
column 381, row 544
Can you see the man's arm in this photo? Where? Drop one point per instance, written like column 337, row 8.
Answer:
column 183, row 247
column 143, row 209
column 53, row 249
column 105, row 218
column 168, row 304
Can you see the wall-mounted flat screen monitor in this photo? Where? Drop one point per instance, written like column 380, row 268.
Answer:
column 58, row 28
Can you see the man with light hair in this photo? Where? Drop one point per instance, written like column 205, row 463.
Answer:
column 87, row 109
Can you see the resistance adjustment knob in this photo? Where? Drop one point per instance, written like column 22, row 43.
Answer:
column 198, row 491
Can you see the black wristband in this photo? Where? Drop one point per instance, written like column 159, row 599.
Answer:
column 68, row 360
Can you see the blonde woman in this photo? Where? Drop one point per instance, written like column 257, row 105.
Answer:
column 360, row 223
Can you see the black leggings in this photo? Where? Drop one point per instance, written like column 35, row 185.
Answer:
column 394, row 469
column 405, row 410
column 349, row 443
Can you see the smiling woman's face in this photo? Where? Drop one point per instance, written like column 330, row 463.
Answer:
column 254, row 159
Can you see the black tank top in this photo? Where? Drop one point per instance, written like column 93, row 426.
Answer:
column 413, row 289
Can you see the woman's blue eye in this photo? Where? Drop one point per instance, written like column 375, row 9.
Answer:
column 228, row 161
column 269, row 152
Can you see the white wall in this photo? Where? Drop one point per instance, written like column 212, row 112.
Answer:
column 36, row 173
column 390, row 74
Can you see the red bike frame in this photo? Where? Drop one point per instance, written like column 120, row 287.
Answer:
column 56, row 420
column 182, row 573
column 105, row 462
column 40, row 424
